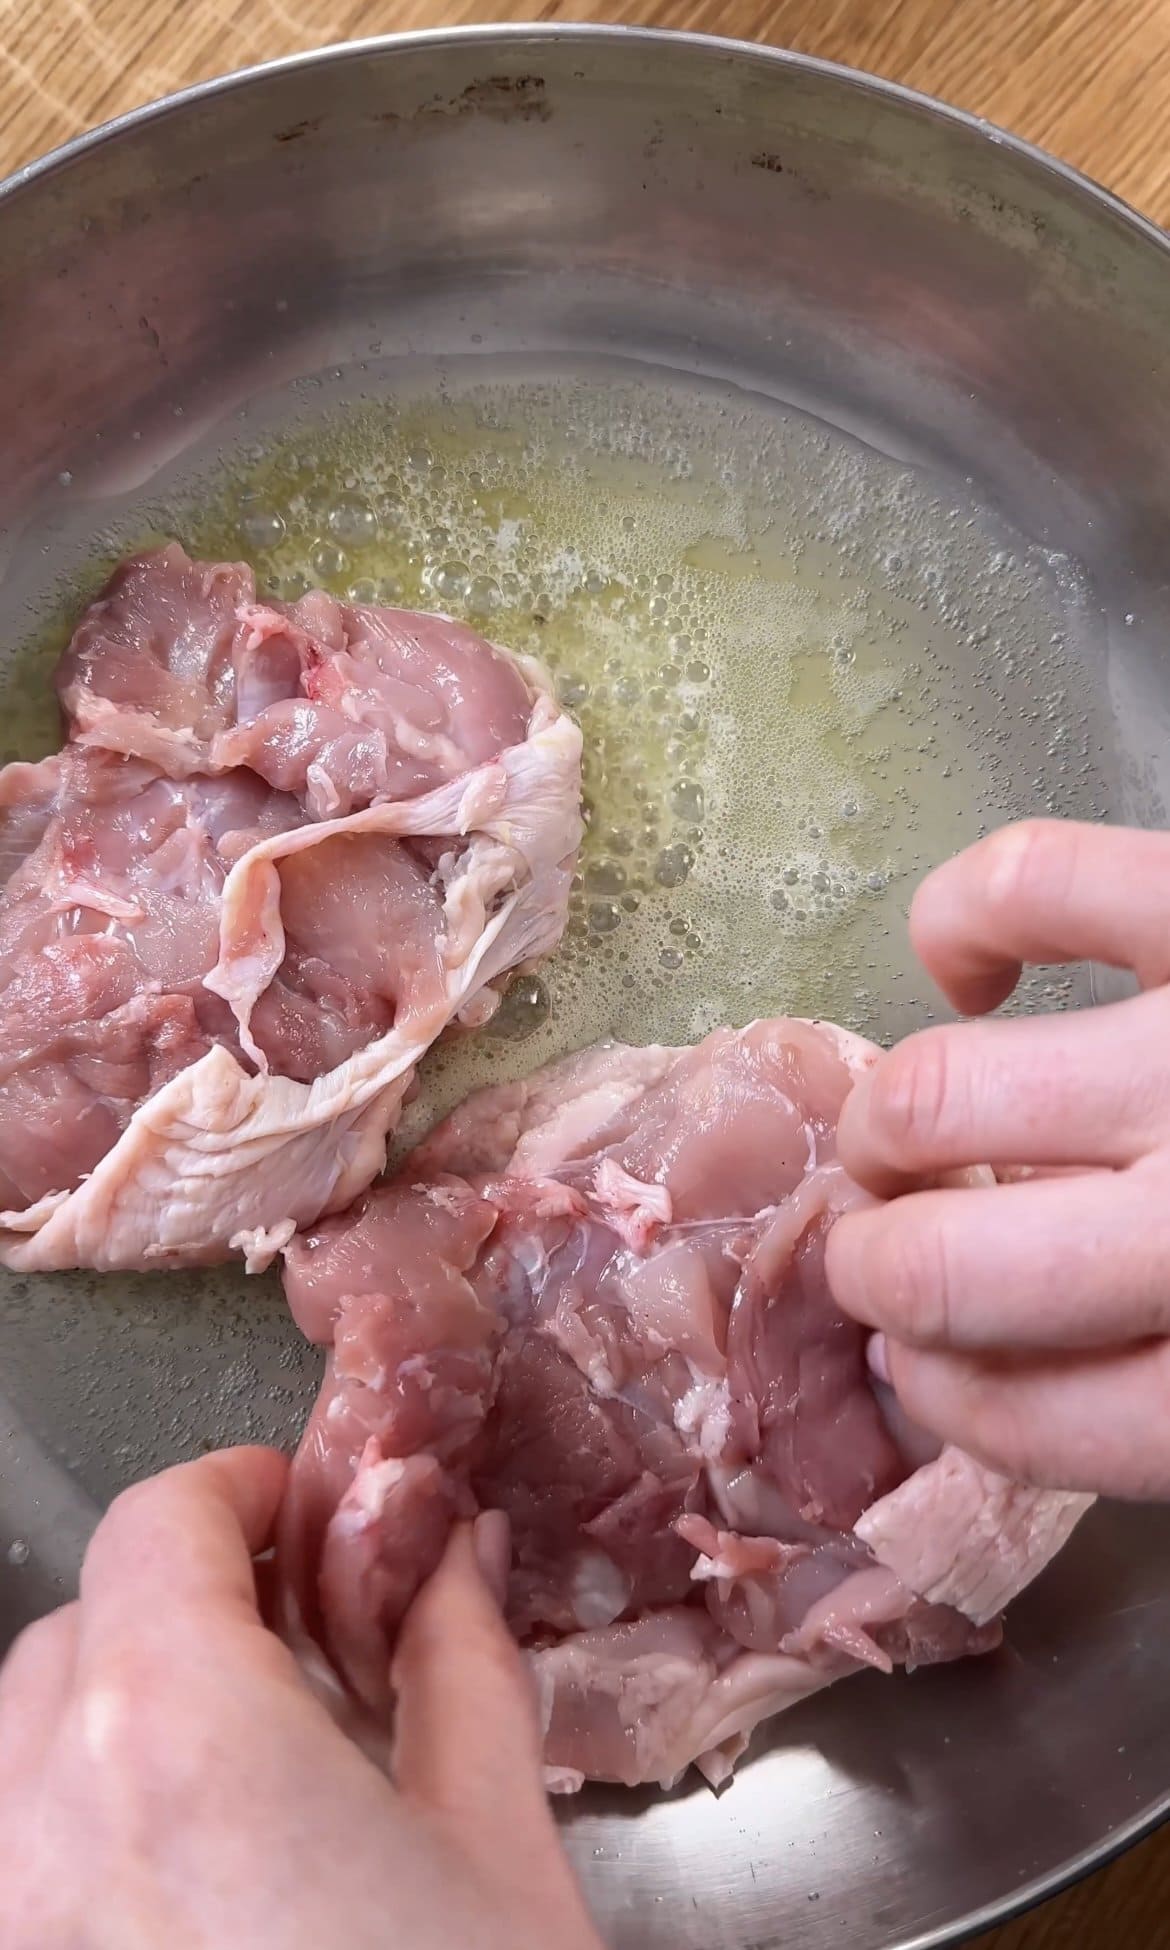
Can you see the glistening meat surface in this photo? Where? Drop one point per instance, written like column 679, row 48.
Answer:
column 283, row 848
column 596, row 1300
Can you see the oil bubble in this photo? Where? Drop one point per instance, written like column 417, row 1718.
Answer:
column 261, row 527
column 687, row 799
column 524, row 1009
column 606, row 877
column 572, row 690
column 328, row 561
column 450, row 581
column 673, row 864
column 353, row 523
column 483, row 595
column 604, row 917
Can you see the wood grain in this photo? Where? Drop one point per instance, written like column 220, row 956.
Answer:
column 1088, row 79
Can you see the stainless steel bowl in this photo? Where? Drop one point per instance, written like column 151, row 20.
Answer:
column 911, row 275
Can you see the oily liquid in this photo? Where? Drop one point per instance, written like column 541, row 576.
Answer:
column 804, row 674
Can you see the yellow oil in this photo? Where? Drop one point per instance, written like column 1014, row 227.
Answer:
column 792, row 661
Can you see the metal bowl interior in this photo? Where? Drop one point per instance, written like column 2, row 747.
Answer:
column 910, row 276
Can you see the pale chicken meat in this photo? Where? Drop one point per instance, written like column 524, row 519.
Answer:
column 283, row 848
column 595, row 1300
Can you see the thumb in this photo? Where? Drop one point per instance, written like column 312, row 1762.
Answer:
column 466, row 1725
column 467, row 1737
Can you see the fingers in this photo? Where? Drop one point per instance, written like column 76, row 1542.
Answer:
column 1045, row 890
column 492, row 1542
column 1048, row 1263
column 1076, row 1089
column 175, row 1552
column 1077, row 1422
column 466, row 1719
column 35, row 1680
column 467, row 1739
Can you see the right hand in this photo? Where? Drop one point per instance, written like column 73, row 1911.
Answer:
column 1028, row 1322
column 167, row 1777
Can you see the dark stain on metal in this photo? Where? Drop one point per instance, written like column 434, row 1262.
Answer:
column 298, row 129
column 152, row 334
column 767, row 159
column 503, row 97
column 518, row 97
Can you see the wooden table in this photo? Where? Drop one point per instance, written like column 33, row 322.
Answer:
column 1089, row 79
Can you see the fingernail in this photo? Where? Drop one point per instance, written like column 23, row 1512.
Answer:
column 491, row 1539
column 878, row 1356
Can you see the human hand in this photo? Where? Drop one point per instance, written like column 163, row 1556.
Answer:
column 1028, row 1322
column 167, row 1777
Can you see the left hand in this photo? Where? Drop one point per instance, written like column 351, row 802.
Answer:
column 168, row 1779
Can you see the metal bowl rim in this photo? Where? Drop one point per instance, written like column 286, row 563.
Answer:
column 337, row 53
column 1073, row 181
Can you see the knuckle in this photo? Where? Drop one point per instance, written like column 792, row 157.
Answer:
column 909, row 1096
column 148, row 1717
column 1143, row 1112
column 1030, row 861
column 130, row 1538
column 135, row 1518
column 128, row 1508
column 1150, row 1461
column 121, row 1707
column 914, row 1276
column 1157, row 1365
column 30, row 1642
column 1141, row 1085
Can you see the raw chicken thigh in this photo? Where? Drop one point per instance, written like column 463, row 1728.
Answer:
column 283, row 848
column 596, row 1300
